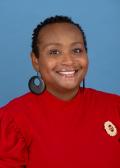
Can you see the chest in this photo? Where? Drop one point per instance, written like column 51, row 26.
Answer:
column 75, row 138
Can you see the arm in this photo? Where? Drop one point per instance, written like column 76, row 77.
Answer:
column 13, row 149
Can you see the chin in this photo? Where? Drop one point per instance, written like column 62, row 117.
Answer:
column 69, row 87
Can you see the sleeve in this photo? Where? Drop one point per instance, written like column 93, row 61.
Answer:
column 13, row 150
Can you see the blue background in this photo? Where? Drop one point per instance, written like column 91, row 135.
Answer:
column 99, row 18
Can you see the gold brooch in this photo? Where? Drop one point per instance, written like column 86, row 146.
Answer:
column 110, row 128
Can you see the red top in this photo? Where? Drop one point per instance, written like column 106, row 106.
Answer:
column 45, row 132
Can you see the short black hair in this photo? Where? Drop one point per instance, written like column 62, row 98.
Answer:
column 51, row 20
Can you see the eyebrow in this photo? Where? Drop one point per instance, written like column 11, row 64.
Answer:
column 81, row 43
column 50, row 44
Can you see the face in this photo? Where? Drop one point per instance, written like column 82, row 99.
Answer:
column 62, row 61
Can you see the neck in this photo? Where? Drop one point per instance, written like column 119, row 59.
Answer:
column 64, row 94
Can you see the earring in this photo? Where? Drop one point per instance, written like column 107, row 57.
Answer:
column 36, row 88
column 83, row 83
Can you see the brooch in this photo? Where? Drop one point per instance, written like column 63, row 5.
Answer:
column 110, row 128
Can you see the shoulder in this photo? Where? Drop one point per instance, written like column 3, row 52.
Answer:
column 105, row 105
column 20, row 108
column 102, row 101
column 101, row 96
column 19, row 103
column 17, row 113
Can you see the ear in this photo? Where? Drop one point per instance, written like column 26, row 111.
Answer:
column 35, row 62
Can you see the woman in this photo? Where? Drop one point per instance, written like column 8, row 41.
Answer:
column 60, row 124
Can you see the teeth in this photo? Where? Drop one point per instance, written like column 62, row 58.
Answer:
column 67, row 72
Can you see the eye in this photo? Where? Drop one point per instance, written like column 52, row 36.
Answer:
column 77, row 50
column 54, row 52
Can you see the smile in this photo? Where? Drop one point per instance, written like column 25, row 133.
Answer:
column 67, row 73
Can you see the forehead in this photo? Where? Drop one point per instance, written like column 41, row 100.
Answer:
column 58, row 31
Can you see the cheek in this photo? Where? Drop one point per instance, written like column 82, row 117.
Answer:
column 84, row 62
column 46, row 65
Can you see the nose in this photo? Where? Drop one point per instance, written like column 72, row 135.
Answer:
column 67, row 59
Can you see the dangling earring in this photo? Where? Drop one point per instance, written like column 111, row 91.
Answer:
column 36, row 88
column 83, row 83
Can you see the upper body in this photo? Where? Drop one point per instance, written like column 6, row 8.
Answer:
column 44, row 131
column 65, row 126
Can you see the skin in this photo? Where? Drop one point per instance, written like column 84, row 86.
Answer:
column 62, row 60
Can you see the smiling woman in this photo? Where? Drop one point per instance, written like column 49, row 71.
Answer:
column 62, row 60
column 60, row 124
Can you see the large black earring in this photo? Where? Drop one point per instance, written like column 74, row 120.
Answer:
column 36, row 88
